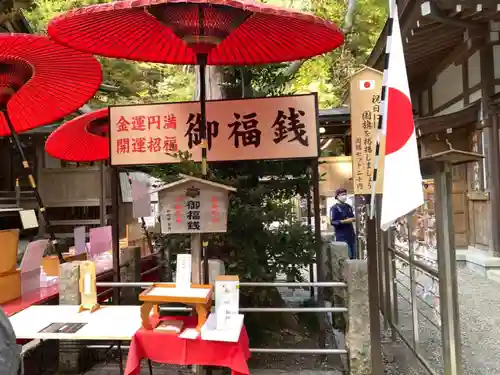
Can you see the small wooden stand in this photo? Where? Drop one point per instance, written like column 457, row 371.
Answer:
column 88, row 289
column 153, row 296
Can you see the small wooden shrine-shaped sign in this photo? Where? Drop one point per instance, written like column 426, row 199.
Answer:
column 193, row 205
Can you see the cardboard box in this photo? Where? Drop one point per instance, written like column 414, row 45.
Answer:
column 10, row 286
column 51, row 263
column 9, row 240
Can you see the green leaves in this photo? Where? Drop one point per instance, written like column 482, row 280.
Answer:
column 138, row 82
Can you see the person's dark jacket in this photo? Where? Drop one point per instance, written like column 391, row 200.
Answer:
column 339, row 212
column 10, row 352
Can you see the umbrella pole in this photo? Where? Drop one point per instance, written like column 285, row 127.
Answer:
column 202, row 62
column 196, row 238
column 102, row 200
column 29, row 173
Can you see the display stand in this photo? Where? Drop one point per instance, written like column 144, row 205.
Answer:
column 199, row 296
column 88, row 289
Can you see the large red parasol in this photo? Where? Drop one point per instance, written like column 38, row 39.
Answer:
column 229, row 32
column 83, row 139
column 40, row 82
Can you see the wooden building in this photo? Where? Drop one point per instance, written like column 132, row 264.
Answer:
column 453, row 62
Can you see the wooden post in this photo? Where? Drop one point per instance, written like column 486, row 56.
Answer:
column 196, row 258
column 491, row 123
column 102, row 197
column 373, row 295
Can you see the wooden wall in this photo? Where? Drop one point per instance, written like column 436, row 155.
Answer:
column 454, row 88
column 71, row 187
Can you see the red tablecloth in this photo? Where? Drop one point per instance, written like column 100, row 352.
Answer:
column 168, row 348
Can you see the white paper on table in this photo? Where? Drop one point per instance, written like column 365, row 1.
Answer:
column 79, row 235
column 100, row 240
column 32, row 258
column 183, row 271
column 141, row 200
column 179, row 292
column 28, row 218
column 210, row 332
column 190, row 334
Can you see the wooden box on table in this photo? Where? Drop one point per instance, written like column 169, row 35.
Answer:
column 51, row 263
column 198, row 296
column 10, row 275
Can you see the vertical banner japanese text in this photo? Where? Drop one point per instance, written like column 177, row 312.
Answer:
column 365, row 89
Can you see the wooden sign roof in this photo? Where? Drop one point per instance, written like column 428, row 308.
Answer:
column 185, row 179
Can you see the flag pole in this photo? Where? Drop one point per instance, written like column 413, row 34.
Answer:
column 383, row 106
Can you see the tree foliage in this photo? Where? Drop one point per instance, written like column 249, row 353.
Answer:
column 137, row 82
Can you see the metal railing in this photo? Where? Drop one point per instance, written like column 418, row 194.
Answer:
column 403, row 273
column 312, row 351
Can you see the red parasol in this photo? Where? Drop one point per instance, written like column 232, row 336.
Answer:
column 40, row 82
column 229, row 32
column 83, row 139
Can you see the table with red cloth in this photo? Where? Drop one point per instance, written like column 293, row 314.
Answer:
column 169, row 348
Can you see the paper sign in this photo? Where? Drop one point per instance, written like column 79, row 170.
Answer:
column 101, row 240
column 33, row 255
column 183, row 271
column 141, row 200
column 227, row 299
column 79, row 235
column 28, row 218
column 190, row 334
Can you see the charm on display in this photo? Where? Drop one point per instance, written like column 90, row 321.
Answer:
column 88, row 289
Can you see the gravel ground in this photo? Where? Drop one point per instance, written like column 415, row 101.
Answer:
column 479, row 322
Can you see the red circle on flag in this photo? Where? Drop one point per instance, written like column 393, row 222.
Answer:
column 366, row 85
column 399, row 121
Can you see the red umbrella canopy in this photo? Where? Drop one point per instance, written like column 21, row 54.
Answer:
column 230, row 32
column 83, row 139
column 42, row 81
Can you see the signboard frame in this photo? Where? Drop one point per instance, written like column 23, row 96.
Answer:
column 363, row 145
column 312, row 131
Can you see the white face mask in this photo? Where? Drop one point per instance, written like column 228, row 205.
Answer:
column 342, row 198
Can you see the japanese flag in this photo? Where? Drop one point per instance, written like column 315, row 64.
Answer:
column 402, row 186
column 365, row 84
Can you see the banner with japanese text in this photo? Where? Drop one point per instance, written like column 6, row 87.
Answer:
column 246, row 129
column 365, row 90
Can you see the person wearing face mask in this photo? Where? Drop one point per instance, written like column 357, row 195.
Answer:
column 342, row 219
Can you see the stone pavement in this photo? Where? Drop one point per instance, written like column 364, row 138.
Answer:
column 479, row 302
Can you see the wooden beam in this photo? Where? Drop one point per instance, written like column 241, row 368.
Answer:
column 467, row 4
column 465, row 81
column 430, row 10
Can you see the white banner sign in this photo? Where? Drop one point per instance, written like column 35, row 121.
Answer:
column 246, row 129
